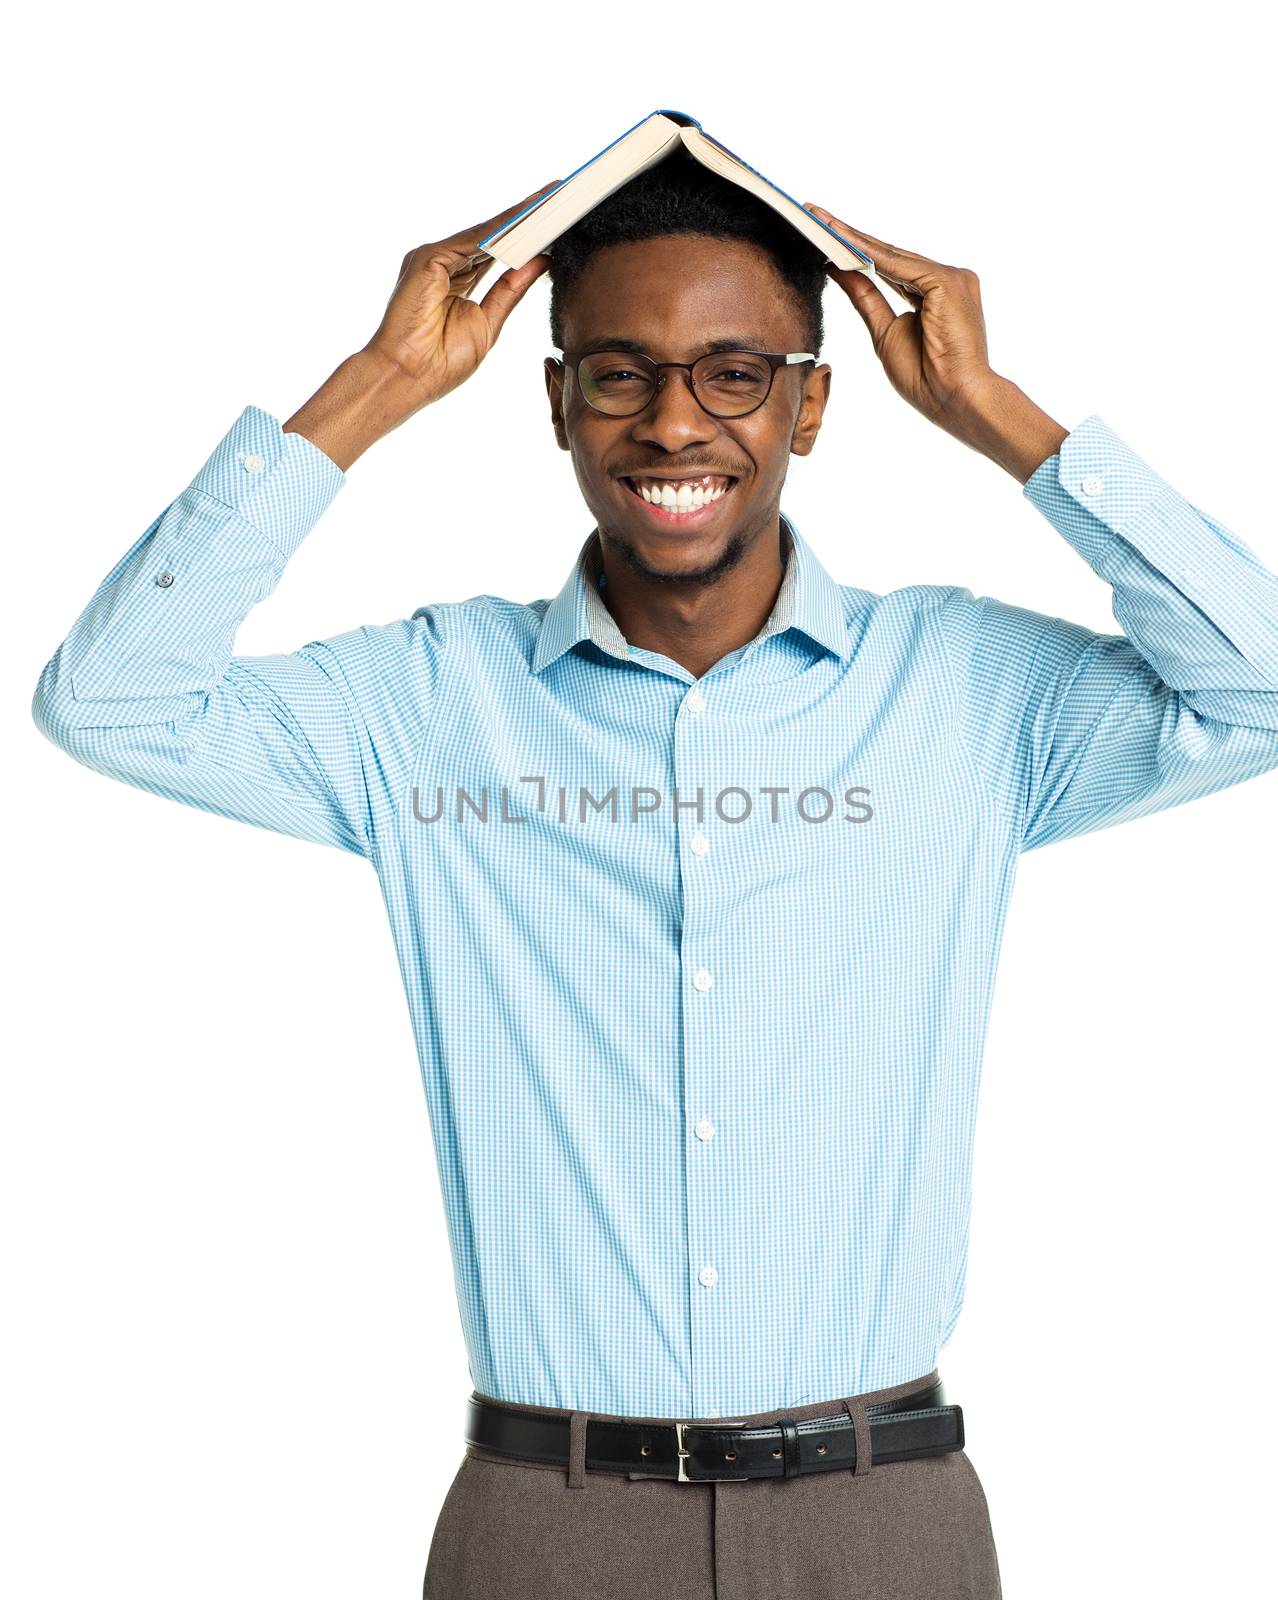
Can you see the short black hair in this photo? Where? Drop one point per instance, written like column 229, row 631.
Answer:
column 679, row 195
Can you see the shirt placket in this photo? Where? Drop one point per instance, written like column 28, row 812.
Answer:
column 705, row 994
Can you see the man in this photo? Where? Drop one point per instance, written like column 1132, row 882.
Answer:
column 697, row 874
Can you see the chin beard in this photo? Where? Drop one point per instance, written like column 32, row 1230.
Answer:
column 728, row 557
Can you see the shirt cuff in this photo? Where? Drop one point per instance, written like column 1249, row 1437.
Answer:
column 1096, row 471
column 280, row 482
column 1142, row 536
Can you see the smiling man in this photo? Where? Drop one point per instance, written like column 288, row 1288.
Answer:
column 697, row 874
column 684, row 483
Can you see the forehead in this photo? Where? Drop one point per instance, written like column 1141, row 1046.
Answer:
column 675, row 294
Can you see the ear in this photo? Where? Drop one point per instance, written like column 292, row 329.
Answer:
column 816, row 391
column 555, row 391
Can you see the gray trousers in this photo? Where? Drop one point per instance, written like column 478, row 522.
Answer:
column 899, row 1530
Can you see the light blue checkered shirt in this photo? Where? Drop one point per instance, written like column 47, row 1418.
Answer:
column 699, row 969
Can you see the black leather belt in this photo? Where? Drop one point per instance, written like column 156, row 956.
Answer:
column 920, row 1424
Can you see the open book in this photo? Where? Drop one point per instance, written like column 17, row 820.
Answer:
column 648, row 142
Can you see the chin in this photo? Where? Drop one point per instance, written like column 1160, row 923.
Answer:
column 700, row 556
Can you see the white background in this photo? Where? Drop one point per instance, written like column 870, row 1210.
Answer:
column 233, row 1361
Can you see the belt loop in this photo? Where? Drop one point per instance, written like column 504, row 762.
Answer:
column 577, row 1449
column 861, row 1428
column 790, row 1445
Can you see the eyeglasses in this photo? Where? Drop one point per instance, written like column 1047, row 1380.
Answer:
column 727, row 383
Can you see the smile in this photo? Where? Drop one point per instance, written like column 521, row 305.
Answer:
column 683, row 500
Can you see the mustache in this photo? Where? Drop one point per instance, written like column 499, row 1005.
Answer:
column 674, row 469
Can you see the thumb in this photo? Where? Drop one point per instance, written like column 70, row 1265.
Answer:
column 869, row 301
column 509, row 290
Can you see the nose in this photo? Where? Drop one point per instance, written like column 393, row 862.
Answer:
column 673, row 419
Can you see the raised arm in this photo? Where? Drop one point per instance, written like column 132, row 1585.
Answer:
column 146, row 688
column 1076, row 730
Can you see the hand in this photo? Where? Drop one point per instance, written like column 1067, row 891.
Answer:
column 433, row 334
column 935, row 356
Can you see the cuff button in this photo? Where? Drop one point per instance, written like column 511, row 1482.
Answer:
column 1091, row 484
column 253, row 463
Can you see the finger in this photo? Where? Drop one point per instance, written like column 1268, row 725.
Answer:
column 866, row 297
column 469, row 238
column 846, row 227
column 870, row 303
column 898, row 267
column 509, row 290
column 466, row 271
column 460, row 254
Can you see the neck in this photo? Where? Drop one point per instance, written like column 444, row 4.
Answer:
column 695, row 623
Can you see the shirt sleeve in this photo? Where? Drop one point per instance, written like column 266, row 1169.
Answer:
column 145, row 687
column 1074, row 730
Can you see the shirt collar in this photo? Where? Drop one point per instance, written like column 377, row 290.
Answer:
column 809, row 599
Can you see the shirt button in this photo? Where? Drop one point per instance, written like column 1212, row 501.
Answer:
column 695, row 701
column 164, row 580
column 705, row 1129
column 700, row 844
column 702, row 979
column 253, row 463
column 708, row 1276
column 1091, row 484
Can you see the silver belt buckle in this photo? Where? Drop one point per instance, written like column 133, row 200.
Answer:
column 683, row 1454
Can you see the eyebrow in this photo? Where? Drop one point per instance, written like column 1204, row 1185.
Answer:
column 712, row 347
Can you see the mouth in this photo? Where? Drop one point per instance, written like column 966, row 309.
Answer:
column 684, row 503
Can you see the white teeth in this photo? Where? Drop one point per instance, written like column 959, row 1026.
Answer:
column 688, row 497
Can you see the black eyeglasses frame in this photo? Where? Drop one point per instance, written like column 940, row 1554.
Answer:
column 570, row 360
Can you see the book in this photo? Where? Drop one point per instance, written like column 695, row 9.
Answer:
column 651, row 140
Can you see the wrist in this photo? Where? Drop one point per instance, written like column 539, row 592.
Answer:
column 365, row 398
column 997, row 418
